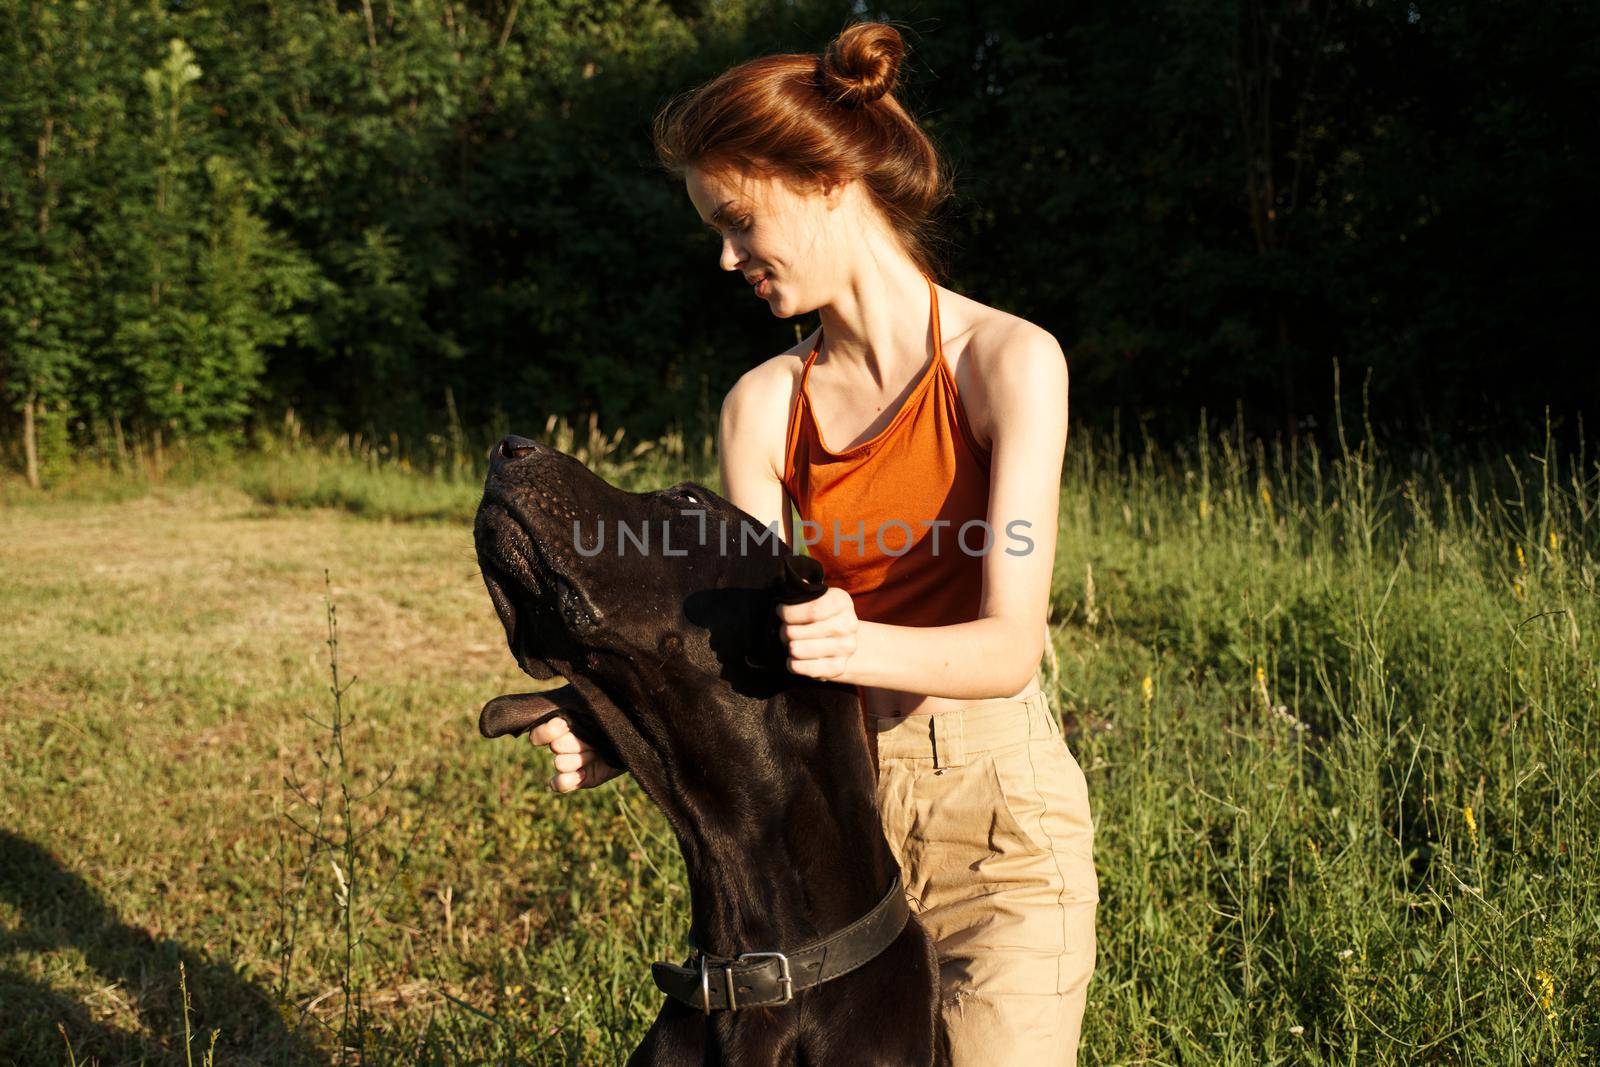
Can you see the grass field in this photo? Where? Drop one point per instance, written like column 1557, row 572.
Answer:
column 1338, row 717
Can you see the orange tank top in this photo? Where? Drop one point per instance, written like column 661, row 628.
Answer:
column 885, row 518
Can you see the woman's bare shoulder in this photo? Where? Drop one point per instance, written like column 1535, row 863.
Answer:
column 769, row 386
column 755, row 412
column 993, row 346
column 990, row 333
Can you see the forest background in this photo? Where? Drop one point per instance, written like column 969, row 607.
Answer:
column 393, row 217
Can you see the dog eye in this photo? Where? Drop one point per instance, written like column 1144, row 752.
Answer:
column 688, row 494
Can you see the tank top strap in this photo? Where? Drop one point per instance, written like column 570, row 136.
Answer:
column 944, row 369
column 945, row 376
column 798, row 410
column 811, row 357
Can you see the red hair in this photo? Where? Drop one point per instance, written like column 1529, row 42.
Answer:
column 813, row 119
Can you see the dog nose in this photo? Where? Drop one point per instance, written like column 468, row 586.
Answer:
column 510, row 447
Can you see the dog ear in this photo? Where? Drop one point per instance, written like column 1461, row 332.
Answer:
column 517, row 713
column 802, row 580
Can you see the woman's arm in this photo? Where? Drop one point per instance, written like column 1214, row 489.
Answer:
column 751, row 436
column 997, row 654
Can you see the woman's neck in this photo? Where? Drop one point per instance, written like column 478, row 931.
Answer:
column 877, row 321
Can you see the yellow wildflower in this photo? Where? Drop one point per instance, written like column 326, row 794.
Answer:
column 1266, row 496
column 1547, row 993
column 1148, row 689
column 1522, row 561
column 1472, row 824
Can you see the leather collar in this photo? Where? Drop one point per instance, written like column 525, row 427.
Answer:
column 770, row 979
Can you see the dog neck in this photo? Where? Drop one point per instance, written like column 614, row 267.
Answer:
column 774, row 808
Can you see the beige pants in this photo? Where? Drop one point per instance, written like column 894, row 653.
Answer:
column 988, row 816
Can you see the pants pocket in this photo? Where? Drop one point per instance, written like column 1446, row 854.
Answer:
column 1044, row 793
column 998, row 853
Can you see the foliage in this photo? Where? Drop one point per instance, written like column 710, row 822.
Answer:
column 216, row 212
column 147, row 286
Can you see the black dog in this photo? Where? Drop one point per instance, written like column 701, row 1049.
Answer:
column 804, row 950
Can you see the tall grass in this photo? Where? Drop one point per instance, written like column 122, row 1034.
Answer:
column 331, row 845
column 1339, row 726
column 1337, row 711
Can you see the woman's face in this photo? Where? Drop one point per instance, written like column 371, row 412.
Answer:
column 780, row 241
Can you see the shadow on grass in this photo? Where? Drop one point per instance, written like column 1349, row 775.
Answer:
column 56, row 911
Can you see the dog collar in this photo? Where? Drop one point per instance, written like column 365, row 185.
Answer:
column 770, row 979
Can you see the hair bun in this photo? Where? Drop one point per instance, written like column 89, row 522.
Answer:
column 860, row 65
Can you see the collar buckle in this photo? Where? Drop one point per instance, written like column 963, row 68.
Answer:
column 785, row 980
column 705, row 986
column 820, row 960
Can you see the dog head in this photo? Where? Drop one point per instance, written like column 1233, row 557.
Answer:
column 654, row 606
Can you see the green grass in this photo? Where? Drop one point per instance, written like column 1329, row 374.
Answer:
column 1344, row 656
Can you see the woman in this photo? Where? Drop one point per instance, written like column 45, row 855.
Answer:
column 932, row 506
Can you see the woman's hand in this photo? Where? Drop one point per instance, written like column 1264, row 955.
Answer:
column 820, row 634
column 577, row 766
